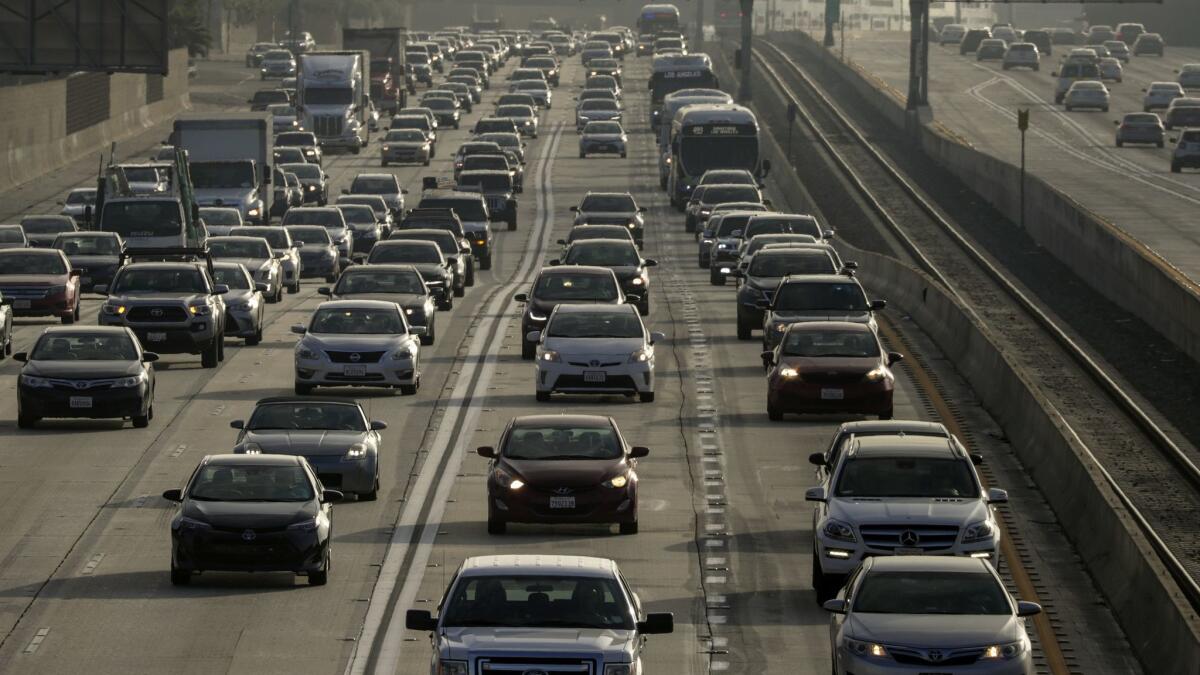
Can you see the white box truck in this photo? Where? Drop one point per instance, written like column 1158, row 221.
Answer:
column 229, row 159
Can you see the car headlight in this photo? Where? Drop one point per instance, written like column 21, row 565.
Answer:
column 836, row 529
column 310, row 152
column 779, row 327
column 295, row 123
column 114, row 310
column 641, row 356
column 35, row 382
column 875, row 375
column 1010, row 650
column 551, row 355
column 618, row 669
column 788, row 372
column 507, row 480
column 451, row 668
column 402, row 355
column 386, row 148
column 130, row 382
column 199, row 310
column 309, row 525
column 722, row 247
column 980, row 531
column 860, row 648
column 251, row 448
column 307, row 354
column 356, row 452
column 312, row 188
column 637, row 281
column 252, row 212
column 192, row 525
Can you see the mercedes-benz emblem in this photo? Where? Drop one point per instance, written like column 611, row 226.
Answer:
column 249, row 535
column 156, row 313
column 356, row 357
column 909, row 538
column 563, row 491
column 935, row 655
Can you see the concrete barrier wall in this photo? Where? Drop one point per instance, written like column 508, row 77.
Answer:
column 1108, row 259
column 33, row 136
column 1158, row 621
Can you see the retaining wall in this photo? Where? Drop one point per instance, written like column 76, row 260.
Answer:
column 46, row 125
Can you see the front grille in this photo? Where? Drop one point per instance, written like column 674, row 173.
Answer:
column 938, row 658
column 597, row 364
column 25, row 292
column 819, row 377
column 354, row 357
column 157, row 314
column 369, row 377
column 888, row 537
column 82, row 385
column 327, row 125
column 549, row 666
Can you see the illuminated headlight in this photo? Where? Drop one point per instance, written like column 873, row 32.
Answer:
column 130, row 382
column 199, row 310
column 357, row 451
column 836, row 529
column 35, row 382
column 1007, row 651
column 638, row 281
column 533, row 316
column 640, row 356
column 252, row 448
column 723, row 247
column 779, row 327
column 789, row 372
column 310, row 152
column 979, row 531
column 114, row 310
column 312, row 188
column 875, row 375
column 617, row 482
column 408, row 311
column 386, row 148
column 551, row 355
column 252, row 213
column 860, row 648
column 295, row 123
column 506, row 479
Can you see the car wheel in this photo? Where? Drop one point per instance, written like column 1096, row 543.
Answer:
column 512, row 224
column 486, row 263
column 221, row 348
column 372, row 495
column 304, row 389
column 1175, row 168
column 320, row 577
column 744, row 331
column 383, row 162
column 822, row 583
column 528, row 350
column 774, row 413
column 211, row 354
column 646, row 396
column 470, row 280
column 701, row 262
column 428, row 337
column 279, row 293
column 1120, row 144
column 886, row 415
column 628, row 528
column 716, row 278
column 26, row 421
column 180, row 577
column 496, row 525
column 141, row 421
column 542, row 396
column 1159, row 144
column 459, row 291
column 582, row 154
column 643, row 307
column 426, row 162
column 410, row 389
column 689, row 225
column 255, row 339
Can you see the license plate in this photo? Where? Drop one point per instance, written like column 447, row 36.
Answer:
column 354, row 371
column 156, row 337
column 832, row 394
column 81, row 401
column 594, row 376
column 21, row 304
column 562, row 502
column 909, row 551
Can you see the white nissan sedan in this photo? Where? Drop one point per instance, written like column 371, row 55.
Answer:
column 358, row 343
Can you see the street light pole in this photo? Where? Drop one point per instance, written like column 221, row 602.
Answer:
column 747, row 60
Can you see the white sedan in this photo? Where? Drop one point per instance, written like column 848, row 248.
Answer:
column 1160, row 94
column 595, row 349
column 358, row 343
column 1086, row 94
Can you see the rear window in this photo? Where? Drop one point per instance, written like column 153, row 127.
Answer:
column 467, row 209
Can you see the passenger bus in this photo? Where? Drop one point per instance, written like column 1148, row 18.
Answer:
column 671, row 105
column 657, row 18
column 711, row 136
column 670, row 73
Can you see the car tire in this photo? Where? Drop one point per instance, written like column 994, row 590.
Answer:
column 1159, row 144
column 426, row 162
column 628, row 528
column 622, row 155
column 822, row 583
column 701, row 262
column 646, row 396
column 774, row 413
column 459, row 291
column 541, row 396
column 411, row 389
column 496, row 525
column 528, row 350
column 221, row 347
column 180, row 577
column 446, row 304
column 372, row 495
column 141, row 421
column 643, row 307
column 26, row 421
column 356, row 149
column 254, row 340
column 470, row 280
column 486, row 263
column 429, row 336
column 582, row 155
column 304, row 389
column 689, row 225
column 716, row 278
column 211, row 354
column 1104, row 109
column 320, row 577
column 383, row 162
column 744, row 331
column 1120, row 144
column 1175, row 168
column 73, row 316
column 512, row 225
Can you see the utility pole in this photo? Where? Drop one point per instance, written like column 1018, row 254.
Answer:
column 833, row 10
column 699, row 39
column 918, row 55
column 747, row 59
column 1022, row 126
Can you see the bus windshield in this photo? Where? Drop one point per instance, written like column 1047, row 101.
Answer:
column 699, row 154
column 671, row 81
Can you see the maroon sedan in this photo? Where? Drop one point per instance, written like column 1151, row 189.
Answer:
column 829, row 367
column 562, row 469
column 40, row 282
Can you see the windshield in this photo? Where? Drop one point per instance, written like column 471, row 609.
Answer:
column 538, row 601
column 328, row 96
column 487, row 181
column 567, row 287
column 531, row 85
column 281, row 110
column 40, row 225
column 720, row 194
column 221, row 247
column 414, row 252
column 88, row 245
column 357, row 213
column 447, row 243
column 602, row 128
column 11, row 234
column 439, row 103
column 322, row 217
column 268, row 96
column 404, row 136
column 613, row 324
column 931, row 593
column 608, row 204
column 82, row 197
column 295, row 138
column 357, row 321
column 310, row 171
column 514, row 111
column 84, row 347
column 289, row 155
column 221, row 216
column 174, row 280
column 233, row 277
column 222, row 174
column 276, row 237
column 764, row 225
column 845, row 297
column 792, row 263
column 410, row 122
column 307, row 416
column 309, row 235
column 141, row 175
column 557, row 442
column 485, row 162
column 847, row 344
column 604, row 254
column 372, row 281
column 142, row 218
column 371, row 185
column 906, row 477
column 702, row 154
column 243, row 483
column 584, row 232
column 468, row 210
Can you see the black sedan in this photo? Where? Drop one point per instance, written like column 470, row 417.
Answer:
column 95, row 372
column 252, row 513
column 623, row 258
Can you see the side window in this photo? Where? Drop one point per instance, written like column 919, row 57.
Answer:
column 633, row 598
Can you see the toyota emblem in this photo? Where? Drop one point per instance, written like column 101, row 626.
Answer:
column 249, row 535
column 82, row 385
column 156, row 313
column 563, row 491
column 356, row 357
column 909, row 538
column 594, row 363
column 935, row 655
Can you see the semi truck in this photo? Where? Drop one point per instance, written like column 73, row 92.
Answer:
column 229, row 160
column 333, row 96
column 389, row 84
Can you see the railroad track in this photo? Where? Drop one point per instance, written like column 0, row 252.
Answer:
column 1154, row 478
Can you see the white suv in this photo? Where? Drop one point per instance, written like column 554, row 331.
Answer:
column 899, row 495
column 539, row 614
column 1022, row 55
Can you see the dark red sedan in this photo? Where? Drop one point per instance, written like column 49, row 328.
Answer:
column 40, row 282
column 829, row 367
column 562, row 469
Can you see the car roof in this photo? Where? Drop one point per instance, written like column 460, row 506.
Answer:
column 818, row 326
column 928, row 563
column 417, row 230
column 88, row 234
column 452, row 194
column 907, row 445
column 818, row 279
column 158, row 265
column 308, row 399
column 252, row 460
column 894, row 427
column 532, row 564
column 358, row 304
column 81, row 328
column 577, row 269
column 383, row 267
column 236, row 237
column 485, row 172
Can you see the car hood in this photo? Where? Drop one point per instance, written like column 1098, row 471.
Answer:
column 604, row 350
column 763, row 283
column 951, row 631
column 608, row 138
column 250, row 515
column 318, row 248
column 843, row 365
column 365, row 343
column 430, row 271
column 91, row 370
column 545, row 306
column 159, row 298
column 405, row 300
column 608, row 646
column 305, row 442
column 798, row 316
column 238, row 295
column 32, row 279
column 897, row 511
column 252, row 264
column 406, row 144
column 606, row 217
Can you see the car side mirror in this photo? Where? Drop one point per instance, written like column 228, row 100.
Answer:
column 324, row 290
column 997, row 496
column 378, row 425
column 814, row 494
column 638, row 451
column 827, row 234
column 657, row 337
column 1054, row 73
column 1117, row 122
column 835, row 606
column 73, row 273
column 299, row 329
column 220, row 289
column 173, row 495
column 261, row 288
column 149, row 357
column 329, row 496
column 894, row 357
column 561, row 242
column 976, row 459
column 555, row 262
column 650, row 262
column 418, row 330
column 486, row 451
column 21, row 357
column 574, row 209
column 533, row 336
column 766, row 167
column 768, row 358
column 1025, row 608
column 878, row 305
column 521, row 297
column 658, row 623
column 739, row 273
column 420, row 619
column 817, row 459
